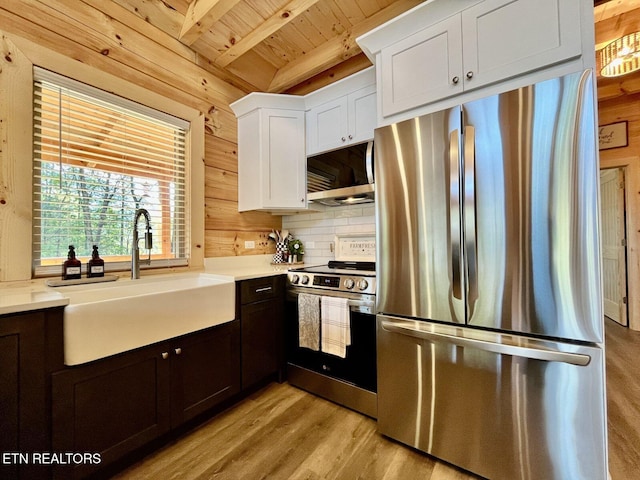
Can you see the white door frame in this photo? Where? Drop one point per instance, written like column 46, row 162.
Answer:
column 632, row 224
column 614, row 245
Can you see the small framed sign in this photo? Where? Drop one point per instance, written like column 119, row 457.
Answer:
column 613, row 135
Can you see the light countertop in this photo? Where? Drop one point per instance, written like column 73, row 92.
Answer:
column 24, row 299
column 16, row 297
column 246, row 267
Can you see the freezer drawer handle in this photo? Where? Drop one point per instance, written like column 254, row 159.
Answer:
column 535, row 353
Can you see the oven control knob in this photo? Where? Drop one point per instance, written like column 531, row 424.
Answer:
column 305, row 280
column 363, row 284
column 349, row 283
column 295, row 278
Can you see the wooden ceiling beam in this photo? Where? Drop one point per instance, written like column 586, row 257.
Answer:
column 202, row 14
column 269, row 26
column 335, row 50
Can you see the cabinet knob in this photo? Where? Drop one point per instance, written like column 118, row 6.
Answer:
column 350, row 137
column 302, row 200
column 469, row 74
column 165, row 355
column 178, row 351
column 455, row 80
column 344, row 139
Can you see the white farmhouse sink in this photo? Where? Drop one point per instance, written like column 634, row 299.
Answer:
column 109, row 318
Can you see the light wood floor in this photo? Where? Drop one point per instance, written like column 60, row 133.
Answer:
column 283, row 433
column 623, row 401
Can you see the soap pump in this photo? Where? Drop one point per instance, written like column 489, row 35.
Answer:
column 72, row 267
column 95, row 267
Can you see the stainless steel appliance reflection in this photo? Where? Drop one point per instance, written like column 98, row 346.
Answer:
column 490, row 325
column 349, row 380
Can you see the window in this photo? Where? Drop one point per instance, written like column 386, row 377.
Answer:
column 97, row 159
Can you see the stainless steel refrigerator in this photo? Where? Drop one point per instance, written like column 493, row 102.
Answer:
column 490, row 323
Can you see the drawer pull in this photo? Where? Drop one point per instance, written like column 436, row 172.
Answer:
column 165, row 355
column 263, row 289
column 178, row 351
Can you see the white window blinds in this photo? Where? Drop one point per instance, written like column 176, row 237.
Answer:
column 98, row 158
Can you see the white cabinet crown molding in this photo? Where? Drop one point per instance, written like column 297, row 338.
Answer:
column 347, row 85
column 256, row 100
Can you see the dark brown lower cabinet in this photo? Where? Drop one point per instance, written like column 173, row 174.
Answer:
column 30, row 348
column 205, row 371
column 261, row 307
column 114, row 406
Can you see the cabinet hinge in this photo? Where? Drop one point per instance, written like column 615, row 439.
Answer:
column 623, row 242
column 624, row 300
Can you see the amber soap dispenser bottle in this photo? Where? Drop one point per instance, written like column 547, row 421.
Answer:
column 71, row 269
column 95, row 267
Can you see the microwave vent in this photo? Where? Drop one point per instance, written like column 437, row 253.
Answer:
column 317, row 182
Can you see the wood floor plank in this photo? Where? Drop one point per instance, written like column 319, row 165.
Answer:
column 623, row 401
column 284, row 433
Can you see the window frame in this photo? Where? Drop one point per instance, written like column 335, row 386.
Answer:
column 113, row 263
column 16, row 165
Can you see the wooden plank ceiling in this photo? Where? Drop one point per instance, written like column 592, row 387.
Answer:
column 291, row 46
column 615, row 18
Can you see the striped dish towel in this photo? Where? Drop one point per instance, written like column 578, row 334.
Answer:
column 336, row 326
column 309, row 321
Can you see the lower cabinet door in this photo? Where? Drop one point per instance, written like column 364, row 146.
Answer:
column 205, row 371
column 110, row 407
column 261, row 340
column 23, row 424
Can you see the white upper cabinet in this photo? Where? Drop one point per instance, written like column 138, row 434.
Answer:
column 327, row 126
column 271, row 153
column 501, row 38
column 441, row 49
column 341, row 118
column 423, row 67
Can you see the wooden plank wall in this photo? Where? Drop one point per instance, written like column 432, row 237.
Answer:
column 106, row 36
column 627, row 108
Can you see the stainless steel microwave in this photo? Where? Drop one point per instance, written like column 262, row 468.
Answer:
column 341, row 177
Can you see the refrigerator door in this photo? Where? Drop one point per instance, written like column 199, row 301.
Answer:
column 531, row 210
column 419, row 262
column 503, row 406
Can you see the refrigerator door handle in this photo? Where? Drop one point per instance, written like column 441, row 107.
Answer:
column 369, row 162
column 454, row 212
column 471, row 254
column 531, row 352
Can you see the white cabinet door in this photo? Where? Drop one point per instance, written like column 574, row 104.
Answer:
column 362, row 114
column 327, row 126
column 422, row 68
column 489, row 42
column 283, row 159
column 505, row 38
column 346, row 120
column 271, row 160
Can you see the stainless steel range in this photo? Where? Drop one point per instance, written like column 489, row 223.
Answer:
column 356, row 277
column 346, row 376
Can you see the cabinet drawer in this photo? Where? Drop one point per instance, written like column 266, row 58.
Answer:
column 259, row 289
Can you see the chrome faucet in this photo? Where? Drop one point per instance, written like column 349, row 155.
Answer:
column 148, row 242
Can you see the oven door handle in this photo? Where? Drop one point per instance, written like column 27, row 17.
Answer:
column 360, row 303
column 355, row 305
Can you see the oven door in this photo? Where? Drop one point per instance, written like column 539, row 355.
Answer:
column 359, row 365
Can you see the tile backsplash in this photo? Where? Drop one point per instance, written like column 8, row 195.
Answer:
column 317, row 230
